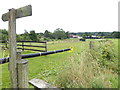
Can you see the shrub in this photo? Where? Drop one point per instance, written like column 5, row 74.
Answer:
column 105, row 53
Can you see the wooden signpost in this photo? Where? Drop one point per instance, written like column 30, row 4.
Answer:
column 11, row 16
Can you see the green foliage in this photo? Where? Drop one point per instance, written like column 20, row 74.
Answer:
column 104, row 52
column 59, row 34
column 93, row 68
column 115, row 34
column 46, row 39
column 82, row 39
column 84, row 72
column 48, row 34
column 33, row 36
column 4, row 34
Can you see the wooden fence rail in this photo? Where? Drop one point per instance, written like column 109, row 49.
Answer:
column 23, row 46
column 4, row 43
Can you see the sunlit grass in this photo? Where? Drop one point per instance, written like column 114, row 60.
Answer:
column 88, row 70
column 53, row 67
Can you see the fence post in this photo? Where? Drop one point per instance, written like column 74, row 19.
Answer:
column 23, row 45
column 46, row 46
column 5, row 44
column 22, row 71
column 91, row 44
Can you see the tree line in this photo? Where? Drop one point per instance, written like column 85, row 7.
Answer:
column 59, row 33
column 114, row 34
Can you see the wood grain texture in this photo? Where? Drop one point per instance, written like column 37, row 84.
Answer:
column 40, row 83
column 19, row 13
column 12, row 48
column 22, row 69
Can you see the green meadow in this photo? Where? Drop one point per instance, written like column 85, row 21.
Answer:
column 79, row 68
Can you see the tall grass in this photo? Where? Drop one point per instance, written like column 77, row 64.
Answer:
column 91, row 69
column 82, row 68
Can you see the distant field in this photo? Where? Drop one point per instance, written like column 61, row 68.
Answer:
column 50, row 67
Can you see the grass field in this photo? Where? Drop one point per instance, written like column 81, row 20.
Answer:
column 66, row 69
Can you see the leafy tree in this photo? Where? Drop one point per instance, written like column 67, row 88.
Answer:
column 23, row 37
column 67, row 34
column 33, row 36
column 115, row 34
column 83, row 35
column 59, row 33
column 3, row 34
column 48, row 34
column 26, row 35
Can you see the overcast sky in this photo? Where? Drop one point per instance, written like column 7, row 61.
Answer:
column 71, row 15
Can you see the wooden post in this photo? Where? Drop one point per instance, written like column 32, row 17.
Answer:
column 7, row 44
column 22, row 71
column 22, row 68
column 46, row 46
column 23, row 45
column 90, row 44
column 12, row 48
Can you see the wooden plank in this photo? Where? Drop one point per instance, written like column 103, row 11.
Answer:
column 31, row 46
column 3, row 41
column 12, row 48
column 33, row 41
column 22, row 68
column 40, row 83
column 33, row 49
column 19, row 13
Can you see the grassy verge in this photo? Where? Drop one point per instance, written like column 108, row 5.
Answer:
column 94, row 68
